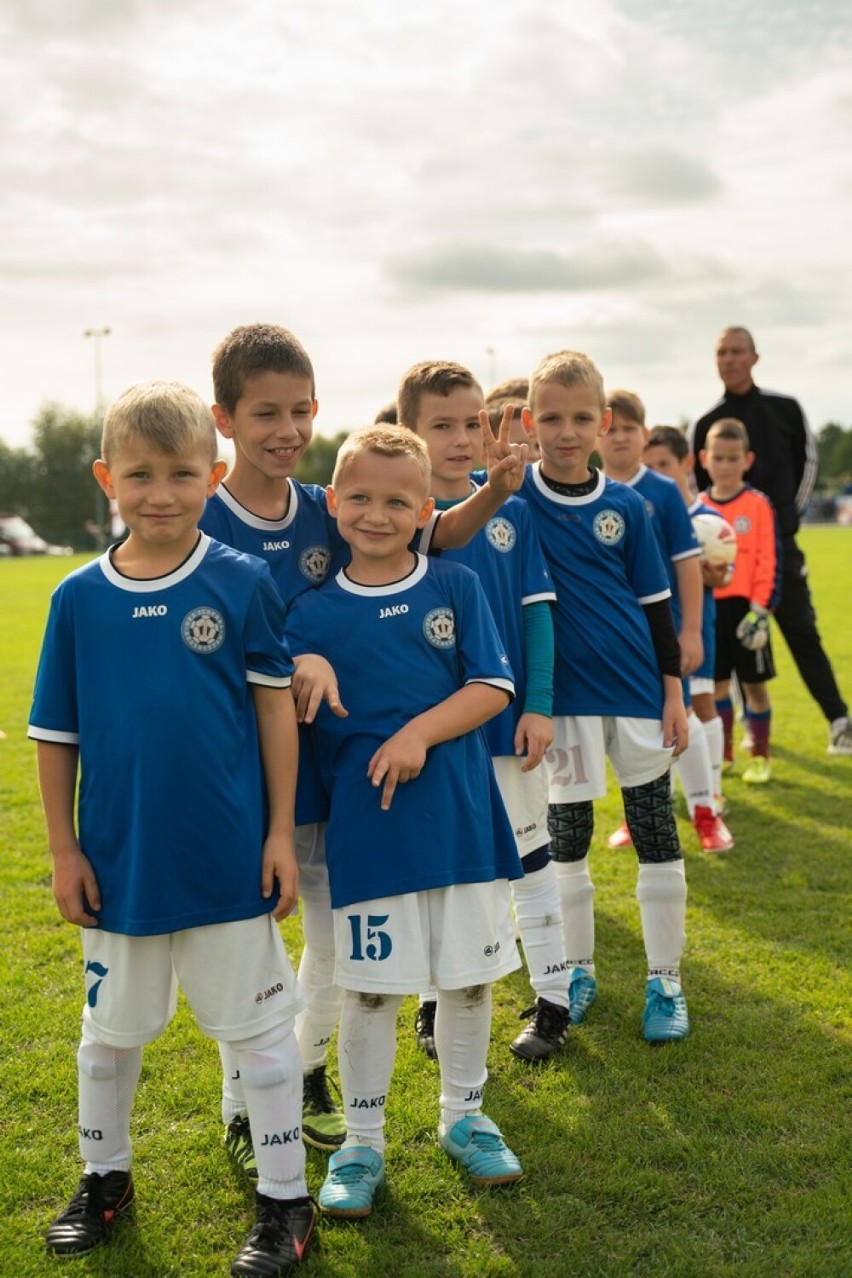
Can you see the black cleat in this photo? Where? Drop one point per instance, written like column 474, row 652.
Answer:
column 424, row 1028
column 544, row 1035
column 279, row 1238
column 86, row 1220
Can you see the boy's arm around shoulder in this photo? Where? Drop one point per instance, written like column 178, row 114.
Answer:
column 506, row 467
column 279, row 752
column 74, row 881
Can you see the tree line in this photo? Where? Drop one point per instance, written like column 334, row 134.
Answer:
column 50, row 484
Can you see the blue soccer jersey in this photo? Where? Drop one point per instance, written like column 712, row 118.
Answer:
column 398, row 650
column 507, row 559
column 671, row 523
column 150, row 679
column 301, row 549
column 604, row 561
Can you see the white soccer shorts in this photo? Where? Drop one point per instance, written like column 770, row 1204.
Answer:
column 448, row 937
column 236, row 976
column 525, row 797
column 576, row 762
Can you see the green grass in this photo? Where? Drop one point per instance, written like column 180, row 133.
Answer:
column 727, row 1154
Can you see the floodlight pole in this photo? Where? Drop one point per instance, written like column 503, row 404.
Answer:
column 491, row 352
column 97, row 335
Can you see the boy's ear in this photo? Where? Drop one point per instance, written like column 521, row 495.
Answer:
column 606, row 421
column 100, row 470
column 688, row 463
column 314, row 409
column 527, row 420
column 702, row 457
column 331, row 499
column 425, row 511
column 749, row 460
column 222, row 418
column 217, row 474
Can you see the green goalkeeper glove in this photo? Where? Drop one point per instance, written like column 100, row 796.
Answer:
column 753, row 630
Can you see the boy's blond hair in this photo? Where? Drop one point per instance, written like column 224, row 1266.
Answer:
column 383, row 441
column 729, row 428
column 567, row 368
column 166, row 416
column 254, row 349
column 430, row 377
column 627, row 404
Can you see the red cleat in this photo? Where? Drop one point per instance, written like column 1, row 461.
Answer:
column 713, row 834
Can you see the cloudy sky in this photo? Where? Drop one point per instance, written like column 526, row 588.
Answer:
column 480, row 180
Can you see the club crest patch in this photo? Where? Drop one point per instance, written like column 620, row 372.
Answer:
column 314, row 563
column 439, row 627
column 742, row 524
column 203, row 630
column 609, row 527
column 501, row 533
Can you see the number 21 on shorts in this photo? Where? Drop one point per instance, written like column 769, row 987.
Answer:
column 368, row 939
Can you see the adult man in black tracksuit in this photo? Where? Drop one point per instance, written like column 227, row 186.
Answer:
column 785, row 468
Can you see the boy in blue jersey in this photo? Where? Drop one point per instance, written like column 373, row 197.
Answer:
column 617, row 688
column 418, row 844
column 264, row 385
column 667, row 452
column 621, row 449
column 165, row 679
column 441, row 402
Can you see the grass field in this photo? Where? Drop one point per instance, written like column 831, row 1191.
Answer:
column 727, row 1154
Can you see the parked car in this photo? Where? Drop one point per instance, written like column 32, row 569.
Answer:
column 18, row 538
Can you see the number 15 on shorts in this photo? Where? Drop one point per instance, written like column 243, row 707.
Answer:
column 368, row 939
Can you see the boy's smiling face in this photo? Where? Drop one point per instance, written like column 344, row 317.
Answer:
column 379, row 503
column 271, row 425
column 160, row 496
column 566, row 421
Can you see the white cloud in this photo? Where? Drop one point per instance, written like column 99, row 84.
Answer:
column 395, row 182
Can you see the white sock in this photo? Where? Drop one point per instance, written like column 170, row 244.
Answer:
column 695, row 770
column 316, row 1024
column 714, row 734
column 538, row 911
column 271, row 1073
column 661, row 892
column 106, row 1079
column 365, row 1055
column 462, row 1033
column 577, row 897
column 233, row 1095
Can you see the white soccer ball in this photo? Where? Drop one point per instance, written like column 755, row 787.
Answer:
column 717, row 538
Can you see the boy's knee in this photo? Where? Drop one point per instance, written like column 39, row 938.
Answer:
column 473, row 995
column 96, row 1060
column 372, row 1002
column 570, row 826
column 650, row 819
column 266, row 1059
